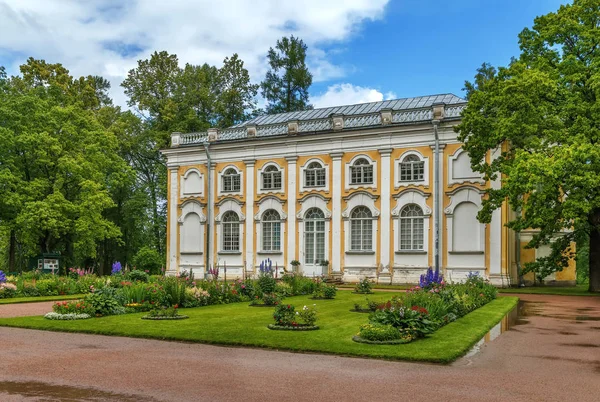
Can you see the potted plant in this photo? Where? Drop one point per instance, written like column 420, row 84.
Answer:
column 295, row 264
column 325, row 266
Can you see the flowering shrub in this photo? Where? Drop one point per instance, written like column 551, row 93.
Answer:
column 411, row 322
column 116, row 268
column 364, row 286
column 136, row 275
column 7, row 290
column 77, row 272
column 196, row 297
column 431, row 279
column 73, row 307
column 271, row 299
column 287, row 316
column 70, row 316
column 324, row 291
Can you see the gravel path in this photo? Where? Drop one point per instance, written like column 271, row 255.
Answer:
column 552, row 355
column 25, row 309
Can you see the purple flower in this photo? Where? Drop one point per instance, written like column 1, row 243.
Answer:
column 116, row 268
column 431, row 278
column 2, row 277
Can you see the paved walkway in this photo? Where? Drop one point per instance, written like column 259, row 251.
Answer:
column 25, row 309
column 552, row 355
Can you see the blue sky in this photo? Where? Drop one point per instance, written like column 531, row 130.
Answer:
column 359, row 50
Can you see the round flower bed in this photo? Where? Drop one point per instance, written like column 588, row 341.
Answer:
column 299, row 327
column 177, row 317
column 358, row 339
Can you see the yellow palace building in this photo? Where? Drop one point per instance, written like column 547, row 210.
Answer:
column 381, row 189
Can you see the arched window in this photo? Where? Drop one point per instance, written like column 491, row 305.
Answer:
column 361, row 172
column 314, row 236
column 271, row 231
column 411, row 228
column 231, row 231
column 412, row 169
column 231, row 181
column 314, row 175
column 361, row 229
column 271, row 178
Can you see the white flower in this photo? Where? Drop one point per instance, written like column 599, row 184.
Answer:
column 297, row 313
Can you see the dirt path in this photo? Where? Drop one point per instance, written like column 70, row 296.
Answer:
column 552, row 355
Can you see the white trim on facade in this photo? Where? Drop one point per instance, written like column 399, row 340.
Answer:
column 259, row 177
column 373, row 163
column 453, row 177
column 302, row 178
column 220, row 191
column 398, row 183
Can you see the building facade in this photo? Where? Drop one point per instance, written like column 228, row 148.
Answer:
column 348, row 191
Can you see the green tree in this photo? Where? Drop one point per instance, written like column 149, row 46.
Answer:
column 543, row 109
column 237, row 96
column 55, row 160
column 286, row 84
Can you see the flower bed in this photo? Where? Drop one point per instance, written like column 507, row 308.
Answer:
column 288, row 319
column 358, row 339
column 425, row 308
column 67, row 317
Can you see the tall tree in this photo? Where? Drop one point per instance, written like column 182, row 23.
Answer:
column 543, row 110
column 55, row 159
column 237, row 96
column 286, row 84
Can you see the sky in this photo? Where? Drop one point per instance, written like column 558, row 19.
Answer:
column 358, row 50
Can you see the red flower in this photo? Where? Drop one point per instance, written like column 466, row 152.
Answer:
column 176, row 306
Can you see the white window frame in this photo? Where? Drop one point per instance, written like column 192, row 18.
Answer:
column 270, row 202
column 418, row 198
column 364, row 235
column 221, row 185
column 229, row 205
column 271, row 224
column 231, row 227
column 366, row 199
column 348, row 169
column 303, row 172
column 398, row 182
column 261, row 171
column 411, row 221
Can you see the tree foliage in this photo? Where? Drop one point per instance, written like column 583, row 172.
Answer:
column 286, row 84
column 542, row 111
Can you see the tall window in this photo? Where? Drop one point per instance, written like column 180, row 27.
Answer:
column 231, row 181
column 411, row 228
column 314, row 175
column 314, row 236
column 271, row 178
column 231, row 231
column 271, row 231
column 361, row 229
column 361, row 172
column 412, row 169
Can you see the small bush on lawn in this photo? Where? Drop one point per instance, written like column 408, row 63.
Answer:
column 379, row 332
column 170, row 312
column 104, row 303
column 411, row 322
column 364, row 286
column 137, row 276
column 285, row 315
column 7, row 290
column 323, row 290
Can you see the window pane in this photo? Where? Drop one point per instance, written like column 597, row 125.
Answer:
column 368, row 174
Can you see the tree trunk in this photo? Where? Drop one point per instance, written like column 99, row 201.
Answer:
column 12, row 251
column 595, row 252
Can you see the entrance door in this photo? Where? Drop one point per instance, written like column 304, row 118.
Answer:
column 314, row 242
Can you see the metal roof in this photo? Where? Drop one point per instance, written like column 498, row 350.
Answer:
column 361, row 108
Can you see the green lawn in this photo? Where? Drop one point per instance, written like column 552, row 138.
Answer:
column 579, row 290
column 239, row 324
column 382, row 286
column 39, row 299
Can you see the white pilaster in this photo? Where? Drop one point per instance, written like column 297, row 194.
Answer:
column 438, row 172
column 292, row 189
column 211, row 218
column 336, row 209
column 173, row 235
column 249, row 224
column 384, row 229
column 495, row 250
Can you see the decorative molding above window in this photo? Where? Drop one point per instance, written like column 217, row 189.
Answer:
column 411, row 196
column 313, row 201
column 270, row 202
column 411, row 168
column 361, row 198
column 189, row 207
column 229, row 204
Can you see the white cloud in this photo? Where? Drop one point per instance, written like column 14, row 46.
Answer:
column 107, row 37
column 348, row 94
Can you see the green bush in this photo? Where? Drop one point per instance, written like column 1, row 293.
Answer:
column 364, row 286
column 148, row 259
column 104, row 304
column 324, row 291
column 379, row 332
column 412, row 322
column 266, row 283
column 285, row 314
column 137, row 276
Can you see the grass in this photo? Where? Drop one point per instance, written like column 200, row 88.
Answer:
column 34, row 299
column 239, row 324
column 381, row 286
column 578, row 290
